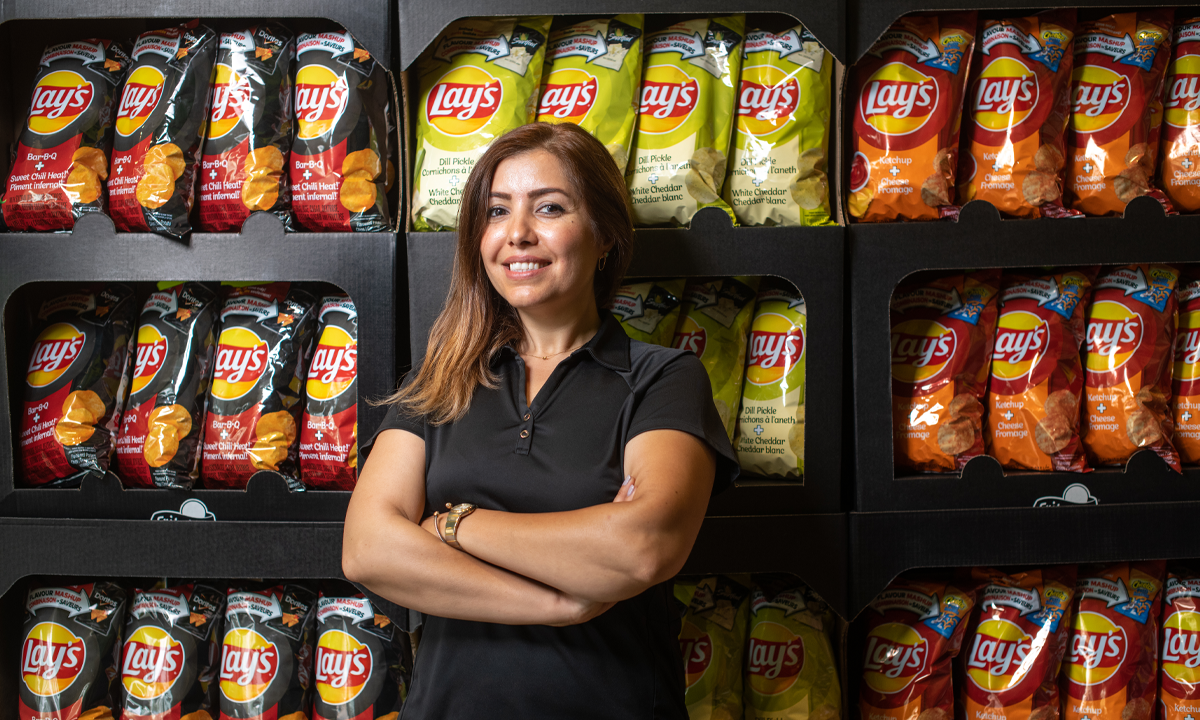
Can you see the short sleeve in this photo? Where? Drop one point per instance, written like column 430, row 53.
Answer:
column 679, row 397
column 398, row 419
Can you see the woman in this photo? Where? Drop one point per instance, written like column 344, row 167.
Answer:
column 578, row 463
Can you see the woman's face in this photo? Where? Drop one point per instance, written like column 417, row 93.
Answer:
column 538, row 246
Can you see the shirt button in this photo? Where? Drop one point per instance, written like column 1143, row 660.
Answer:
column 527, row 416
column 524, row 433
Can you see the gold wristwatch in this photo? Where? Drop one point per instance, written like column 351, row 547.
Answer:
column 453, row 518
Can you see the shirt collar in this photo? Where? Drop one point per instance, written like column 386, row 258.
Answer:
column 609, row 346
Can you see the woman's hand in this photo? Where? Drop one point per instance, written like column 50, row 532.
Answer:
column 625, row 494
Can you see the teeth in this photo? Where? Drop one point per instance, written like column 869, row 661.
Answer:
column 525, row 266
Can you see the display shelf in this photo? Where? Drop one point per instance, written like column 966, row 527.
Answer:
column 881, row 255
column 363, row 265
column 809, row 258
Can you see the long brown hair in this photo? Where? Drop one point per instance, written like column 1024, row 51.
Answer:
column 477, row 321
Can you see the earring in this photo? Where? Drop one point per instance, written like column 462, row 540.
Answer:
column 603, row 261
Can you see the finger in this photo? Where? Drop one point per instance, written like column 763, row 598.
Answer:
column 623, row 493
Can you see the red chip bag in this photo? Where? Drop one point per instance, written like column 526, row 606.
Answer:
column 1015, row 643
column 1113, row 653
column 1185, row 382
column 909, row 91
column 1037, row 376
column 942, row 332
column 914, row 631
column 1180, row 169
column 1017, row 112
column 329, row 426
column 1119, row 63
column 1179, row 676
column 1130, row 343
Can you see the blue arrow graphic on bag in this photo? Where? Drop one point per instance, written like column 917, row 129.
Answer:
column 491, row 48
column 925, row 49
column 1106, row 45
column 1025, row 601
column 1124, row 280
column 1111, row 593
column 687, row 47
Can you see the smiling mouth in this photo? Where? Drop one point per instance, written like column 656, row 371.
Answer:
column 526, row 266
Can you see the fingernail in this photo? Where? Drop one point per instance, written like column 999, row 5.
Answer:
column 631, row 489
column 628, row 479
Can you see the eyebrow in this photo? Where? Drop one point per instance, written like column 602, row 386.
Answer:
column 533, row 194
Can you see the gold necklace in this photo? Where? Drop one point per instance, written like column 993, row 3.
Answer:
column 547, row 357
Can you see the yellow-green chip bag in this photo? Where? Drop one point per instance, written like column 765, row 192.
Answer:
column 478, row 81
column 791, row 673
column 685, row 117
column 777, row 173
column 592, row 73
column 649, row 311
column 712, row 643
column 713, row 324
column 771, row 423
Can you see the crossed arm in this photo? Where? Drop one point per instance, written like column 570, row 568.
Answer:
column 524, row 569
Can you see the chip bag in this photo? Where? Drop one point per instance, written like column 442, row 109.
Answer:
column 591, row 79
column 942, row 339
column 649, row 311
column 267, row 653
column 791, row 669
column 172, row 653
column 1130, row 343
column 1185, row 381
column 249, row 129
column 254, row 400
column 363, row 662
column 1112, row 659
column 1179, row 676
column 914, row 631
column 329, row 426
column 75, row 385
column 770, row 439
column 1015, row 643
column 61, row 158
column 905, row 136
column 713, row 324
column 685, row 116
column 160, row 129
column 1180, row 169
column 781, row 140
column 1018, row 107
column 711, row 642
column 1037, row 375
column 70, row 654
column 159, row 443
column 480, row 80
column 1119, row 63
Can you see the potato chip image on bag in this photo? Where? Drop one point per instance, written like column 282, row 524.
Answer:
column 711, row 642
column 770, row 438
column 61, row 159
column 1016, row 115
column 1180, row 169
column 942, row 340
column 1114, row 86
column 1131, row 324
column 713, row 324
column 685, row 117
column 478, row 81
column 777, row 170
column 908, row 105
column 329, row 425
column 649, row 311
column 1185, row 379
column 160, row 126
column 591, row 79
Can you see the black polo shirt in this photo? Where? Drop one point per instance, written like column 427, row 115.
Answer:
column 563, row 452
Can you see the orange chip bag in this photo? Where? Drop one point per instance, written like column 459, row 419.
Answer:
column 1037, row 376
column 1018, row 108
column 1180, row 170
column 1130, row 338
column 1185, row 382
column 910, row 88
column 1113, row 652
column 1119, row 63
column 942, row 333
column 1179, row 694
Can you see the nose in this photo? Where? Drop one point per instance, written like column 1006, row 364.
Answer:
column 520, row 228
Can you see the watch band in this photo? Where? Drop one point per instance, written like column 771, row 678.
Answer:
column 453, row 518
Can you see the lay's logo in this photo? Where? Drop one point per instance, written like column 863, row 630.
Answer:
column 690, row 336
column 996, row 661
column 241, row 360
column 1182, row 107
column 568, row 96
column 232, row 97
column 1022, row 339
column 1006, row 94
column 343, row 667
column 1100, row 97
column 153, row 661
column 334, row 364
column 53, row 353
column 463, row 101
column 898, row 99
column 669, row 96
column 774, row 658
column 767, row 100
column 696, row 648
column 1114, row 334
column 895, row 656
column 249, row 663
column 51, row 659
column 321, row 96
column 776, row 346
column 1187, row 348
column 1097, row 650
column 921, row 350
column 143, row 90
column 151, row 353
column 58, row 99
column 1181, row 647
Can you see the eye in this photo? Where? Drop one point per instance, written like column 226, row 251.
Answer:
column 497, row 211
column 550, row 209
